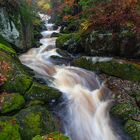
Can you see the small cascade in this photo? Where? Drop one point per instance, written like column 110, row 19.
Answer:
column 85, row 115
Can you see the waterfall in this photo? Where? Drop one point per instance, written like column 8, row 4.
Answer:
column 86, row 110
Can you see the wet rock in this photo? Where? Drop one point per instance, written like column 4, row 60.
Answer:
column 34, row 103
column 124, row 92
column 42, row 93
column 11, row 102
column 124, row 110
column 35, row 120
column 64, row 58
column 70, row 42
column 55, row 34
column 118, row 68
column 106, row 43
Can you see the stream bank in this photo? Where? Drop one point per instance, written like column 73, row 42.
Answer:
column 22, row 101
column 25, row 101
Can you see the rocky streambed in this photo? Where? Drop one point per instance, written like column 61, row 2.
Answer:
column 26, row 103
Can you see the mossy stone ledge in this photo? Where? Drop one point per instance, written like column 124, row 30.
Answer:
column 11, row 102
column 118, row 68
column 42, row 93
column 70, row 42
column 35, row 120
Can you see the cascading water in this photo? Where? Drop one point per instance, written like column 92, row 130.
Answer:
column 87, row 108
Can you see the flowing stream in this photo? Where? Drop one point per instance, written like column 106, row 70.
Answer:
column 86, row 112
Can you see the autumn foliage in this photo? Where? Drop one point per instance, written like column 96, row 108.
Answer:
column 4, row 68
column 117, row 15
column 114, row 15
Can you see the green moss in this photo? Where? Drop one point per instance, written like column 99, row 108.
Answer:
column 42, row 92
column 133, row 129
column 124, row 70
column 11, row 102
column 125, row 34
column 35, row 102
column 84, row 63
column 6, row 48
column 58, row 136
column 18, row 80
column 26, row 11
column 124, row 110
column 3, row 41
column 9, row 131
column 32, row 121
column 35, row 120
column 63, row 39
column 38, row 137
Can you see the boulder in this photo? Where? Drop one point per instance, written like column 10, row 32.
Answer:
column 9, row 130
column 11, row 102
column 122, row 79
column 70, row 42
column 35, row 120
column 14, row 28
column 105, row 43
column 133, row 128
column 27, row 123
column 42, row 93
column 124, row 110
column 17, row 79
column 114, row 67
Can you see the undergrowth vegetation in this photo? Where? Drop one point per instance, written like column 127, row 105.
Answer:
column 113, row 15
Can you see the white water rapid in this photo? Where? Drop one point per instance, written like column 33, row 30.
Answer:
column 86, row 115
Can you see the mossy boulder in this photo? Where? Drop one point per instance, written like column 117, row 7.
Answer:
column 64, row 58
column 133, row 128
column 124, row 110
column 9, row 131
column 18, row 80
column 38, row 137
column 106, row 43
column 56, row 34
column 70, row 42
column 35, row 120
column 54, row 136
column 118, row 68
column 11, row 102
column 42, row 93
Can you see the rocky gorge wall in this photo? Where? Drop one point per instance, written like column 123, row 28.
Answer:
column 15, row 26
